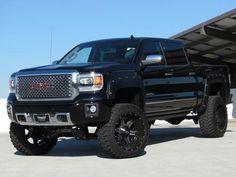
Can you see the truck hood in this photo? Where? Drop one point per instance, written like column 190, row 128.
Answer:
column 83, row 67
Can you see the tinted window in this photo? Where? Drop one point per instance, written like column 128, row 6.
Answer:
column 117, row 53
column 152, row 48
column 174, row 54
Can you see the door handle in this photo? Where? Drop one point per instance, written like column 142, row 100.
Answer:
column 192, row 73
column 168, row 74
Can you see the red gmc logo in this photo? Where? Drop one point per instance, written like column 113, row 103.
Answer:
column 44, row 85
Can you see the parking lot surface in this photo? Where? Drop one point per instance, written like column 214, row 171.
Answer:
column 172, row 151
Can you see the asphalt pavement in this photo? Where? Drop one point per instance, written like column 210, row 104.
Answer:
column 172, row 151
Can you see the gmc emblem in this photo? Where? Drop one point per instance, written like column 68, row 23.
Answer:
column 44, row 85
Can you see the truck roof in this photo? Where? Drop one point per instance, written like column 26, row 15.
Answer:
column 136, row 39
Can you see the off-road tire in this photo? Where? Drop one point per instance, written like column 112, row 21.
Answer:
column 108, row 137
column 213, row 123
column 21, row 143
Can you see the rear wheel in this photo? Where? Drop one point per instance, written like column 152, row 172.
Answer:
column 213, row 122
column 30, row 140
column 126, row 134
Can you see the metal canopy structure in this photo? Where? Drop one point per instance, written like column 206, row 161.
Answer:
column 213, row 41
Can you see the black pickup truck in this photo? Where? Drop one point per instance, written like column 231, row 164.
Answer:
column 119, row 87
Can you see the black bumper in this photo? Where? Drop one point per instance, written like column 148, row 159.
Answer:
column 76, row 109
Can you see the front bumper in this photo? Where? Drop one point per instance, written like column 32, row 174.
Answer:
column 68, row 114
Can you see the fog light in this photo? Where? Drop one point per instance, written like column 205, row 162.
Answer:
column 93, row 109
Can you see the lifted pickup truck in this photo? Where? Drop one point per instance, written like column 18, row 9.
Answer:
column 120, row 87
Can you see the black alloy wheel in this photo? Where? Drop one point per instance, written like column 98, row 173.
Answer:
column 126, row 134
column 129, row 131
column 31, row 140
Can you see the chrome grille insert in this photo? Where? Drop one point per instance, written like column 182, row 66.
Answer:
column 38, row 87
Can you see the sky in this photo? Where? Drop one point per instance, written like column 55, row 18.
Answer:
column 26, row 25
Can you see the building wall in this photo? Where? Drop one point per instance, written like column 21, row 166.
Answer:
column 232, row 107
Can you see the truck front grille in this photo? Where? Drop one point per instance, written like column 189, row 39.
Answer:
column 44, row 87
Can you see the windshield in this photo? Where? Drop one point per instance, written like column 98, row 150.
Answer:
column 115, row 51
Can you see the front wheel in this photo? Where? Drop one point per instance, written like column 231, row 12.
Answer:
column 126, row 134
column 30, row 140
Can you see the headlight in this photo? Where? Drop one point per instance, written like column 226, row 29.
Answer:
column 90, row 82
column 12, row 85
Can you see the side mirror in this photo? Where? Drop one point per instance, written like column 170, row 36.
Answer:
column 153, row 59
column 55, row 62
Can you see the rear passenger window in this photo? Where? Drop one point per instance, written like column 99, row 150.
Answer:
column 174, row 54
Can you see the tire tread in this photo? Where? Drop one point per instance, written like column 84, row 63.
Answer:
column 207, row 120
column 18, row 143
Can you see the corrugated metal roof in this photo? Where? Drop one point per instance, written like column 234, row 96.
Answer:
column 212, row 40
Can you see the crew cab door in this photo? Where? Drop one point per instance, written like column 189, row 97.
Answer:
column 157, row 84
column 183, row 81
column 169, row 86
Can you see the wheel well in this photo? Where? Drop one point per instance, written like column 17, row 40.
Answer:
column 130, row 95
column 217, row 89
